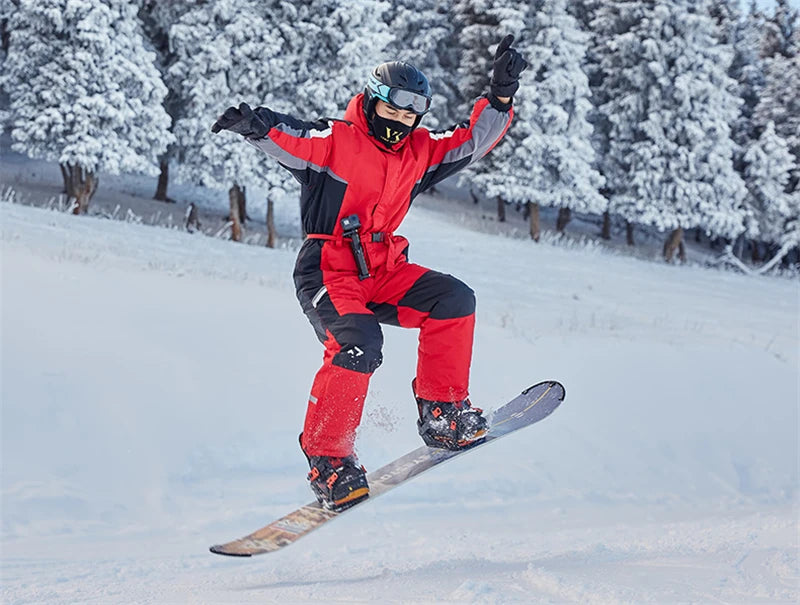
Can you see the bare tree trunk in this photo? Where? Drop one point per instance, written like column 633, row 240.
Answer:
column 756, row 251
column 629, row 233
column 81, row 185
column 270, row 223
column 234, row 195
column 192, row 220
column 738, row 246
column 472, row 196
column 605, row 232
column 163, row 182
column 501, row 209
column 675, row 242
column 564, row 217
column 65, row 176
column 243, row 205
column 533, row 216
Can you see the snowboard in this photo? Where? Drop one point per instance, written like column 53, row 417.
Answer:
column 532, row 405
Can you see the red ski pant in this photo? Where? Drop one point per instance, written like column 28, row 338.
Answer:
column 346, row 314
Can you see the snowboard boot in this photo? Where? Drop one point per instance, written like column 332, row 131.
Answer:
column 452, row 426
column 338, row 483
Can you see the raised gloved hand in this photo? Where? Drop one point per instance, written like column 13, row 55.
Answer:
column 508, row 65
column 242, row 120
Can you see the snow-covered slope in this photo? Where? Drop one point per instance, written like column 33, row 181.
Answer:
column 154, row 383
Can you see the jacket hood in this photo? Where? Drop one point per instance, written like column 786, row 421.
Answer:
column 355, row 115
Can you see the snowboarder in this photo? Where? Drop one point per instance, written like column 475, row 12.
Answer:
column 358, row 177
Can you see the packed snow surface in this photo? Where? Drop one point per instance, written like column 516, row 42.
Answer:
column 154, row 384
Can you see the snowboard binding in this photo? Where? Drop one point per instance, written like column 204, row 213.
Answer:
column 338, row 483
column 452, row 426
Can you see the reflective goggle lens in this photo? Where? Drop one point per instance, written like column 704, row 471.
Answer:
column 405, row 99
column 402, row 99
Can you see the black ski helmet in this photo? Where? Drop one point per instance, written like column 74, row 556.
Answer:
column 401, row 85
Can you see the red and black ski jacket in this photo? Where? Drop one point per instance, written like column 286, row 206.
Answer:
column 343, row 170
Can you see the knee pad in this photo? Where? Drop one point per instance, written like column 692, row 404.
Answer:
column 441, row 295
column 359, row 358
column 361, row 341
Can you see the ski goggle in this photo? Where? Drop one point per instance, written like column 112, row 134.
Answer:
column 399, row 97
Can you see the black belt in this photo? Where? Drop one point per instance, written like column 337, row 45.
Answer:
column 377, row 236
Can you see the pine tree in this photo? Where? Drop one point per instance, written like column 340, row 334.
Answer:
column 84, row 91
column 479, row 27
column 5, row 35
column 547, row 159
column 425, row 36
column 585, row 12
column 747, row 69
column 779, row 30
column 482, row 24
column 670, row 106
column 157, row 17
column 225, row 53
column 779, row 102
column 350, row 38
column 611, row 24
column 560, row 145
column 744, row 35
column 771, row 207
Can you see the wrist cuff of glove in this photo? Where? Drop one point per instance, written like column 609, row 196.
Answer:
column 261, row 123
column 498, row 104
column 504, row 90
column 256, row 133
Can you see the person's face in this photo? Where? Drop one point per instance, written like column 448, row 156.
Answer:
column 404, row 116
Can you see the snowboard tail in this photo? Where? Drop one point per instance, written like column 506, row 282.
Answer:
column 532, row 405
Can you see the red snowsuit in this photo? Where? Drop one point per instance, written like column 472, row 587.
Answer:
column 343, row 170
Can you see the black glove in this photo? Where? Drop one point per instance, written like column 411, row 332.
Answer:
column 508, row 65
column 242, row 120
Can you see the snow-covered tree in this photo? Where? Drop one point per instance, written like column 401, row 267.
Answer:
column 726, row 15
column 744, row 34
column 670, row 105
column 607, row 81
column 84, row 91
column 157, row 18
column 585, row 12
column 779, row 101
column 559, row 147
column 478, row 30
column 482, row 24
column 771, row 208
column 548, row 158
column 338, row 43
column 425, row 36
column 778, row 38
column 748, row 70
column 224, row 53
column 5, row 14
